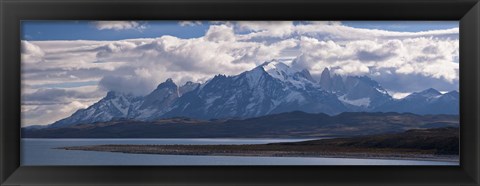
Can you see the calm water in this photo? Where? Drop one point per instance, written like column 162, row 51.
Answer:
column 41, row 152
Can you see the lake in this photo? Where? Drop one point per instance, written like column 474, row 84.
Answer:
column 39, row 152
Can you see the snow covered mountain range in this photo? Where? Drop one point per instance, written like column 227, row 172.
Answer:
column 270, row 88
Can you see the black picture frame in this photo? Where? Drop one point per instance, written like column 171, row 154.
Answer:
column 12, row 12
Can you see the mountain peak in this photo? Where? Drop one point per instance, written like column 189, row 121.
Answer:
column 271, row 65
column 273, row 61
column 114, row 94
column 187, row 87
column 453, row 92
column 278, row 70
column 111, row 94
column 168, row 83
column 326, row 71
column 430, row 92
column 326, row 79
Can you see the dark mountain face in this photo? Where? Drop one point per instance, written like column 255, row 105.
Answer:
column 270, row 88
column 429, row 101
column 326, row 80
column 357, row 92
column 255, row 93
column 161, row 98
column 304, row 74
column 290, row 124
column 189, row 86
column 365, row 88
column 113, row 106
column 338, row 84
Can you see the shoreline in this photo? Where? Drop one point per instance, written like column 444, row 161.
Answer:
column 268, row 150
column 440, row 144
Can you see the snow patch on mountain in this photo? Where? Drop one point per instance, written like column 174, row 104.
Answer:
column 278, row 70
column 286, row 74
column 362, row 102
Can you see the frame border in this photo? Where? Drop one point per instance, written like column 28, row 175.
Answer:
column 14, row 11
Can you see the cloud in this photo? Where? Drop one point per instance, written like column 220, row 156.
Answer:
column 119, row 25
column 46, row 114
column 345, row 33
column 124, row 84
column 323, row 22
column 266, row 28
column 194, row 59
column 218, row 33
column 31, row 53
column 59, row 96
column 395, row 56
column 47, row 105
column 189, row 23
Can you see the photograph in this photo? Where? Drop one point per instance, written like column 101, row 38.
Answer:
column 234, row 93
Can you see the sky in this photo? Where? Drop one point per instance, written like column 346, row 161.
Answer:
column 69, row 65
